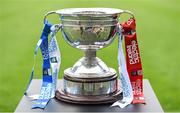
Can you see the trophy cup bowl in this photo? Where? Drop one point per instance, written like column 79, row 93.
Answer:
column 89, row 80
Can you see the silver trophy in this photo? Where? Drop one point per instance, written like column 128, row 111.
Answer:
column 89, row 80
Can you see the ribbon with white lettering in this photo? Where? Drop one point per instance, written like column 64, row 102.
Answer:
column 51, row 65
column 133, row 60
column 46, row 88
column 131, row 70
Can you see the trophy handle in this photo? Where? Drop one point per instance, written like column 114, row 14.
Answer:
column 128, row 12
column 55, row 27
column 49, row 13
column 125, row 12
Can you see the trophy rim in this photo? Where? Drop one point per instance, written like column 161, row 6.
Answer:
column 100, row 11
column 70, row 74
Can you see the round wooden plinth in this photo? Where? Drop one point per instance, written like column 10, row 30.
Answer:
column 100, row 99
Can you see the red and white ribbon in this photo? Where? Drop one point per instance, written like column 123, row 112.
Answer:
column 130, row 70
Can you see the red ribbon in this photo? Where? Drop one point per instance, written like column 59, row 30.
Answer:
column 133, row 60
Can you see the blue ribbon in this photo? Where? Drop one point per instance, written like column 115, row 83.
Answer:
column 47, row 84
column 46, row 88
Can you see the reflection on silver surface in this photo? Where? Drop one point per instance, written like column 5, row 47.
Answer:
column 96, row 69
column 89, row 28
column 88, row 37
column 74, row 88
column 99, row 88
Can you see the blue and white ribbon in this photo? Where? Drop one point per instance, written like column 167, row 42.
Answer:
column 124, row 76
column 55, row 56
column 51, row 65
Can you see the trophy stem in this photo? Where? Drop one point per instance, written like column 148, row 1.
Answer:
column 90, row 56
column 90, row 53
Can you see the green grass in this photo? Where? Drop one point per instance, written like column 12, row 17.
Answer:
column 158, row 25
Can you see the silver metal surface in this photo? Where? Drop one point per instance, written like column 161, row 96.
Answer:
column 88, row 34
column 99, row 88
column 89, row 29
column 84, row 72
column 84, row 38
column 90, row 68
column 89, row 11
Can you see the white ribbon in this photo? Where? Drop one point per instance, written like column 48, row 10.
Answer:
column 124, row 76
